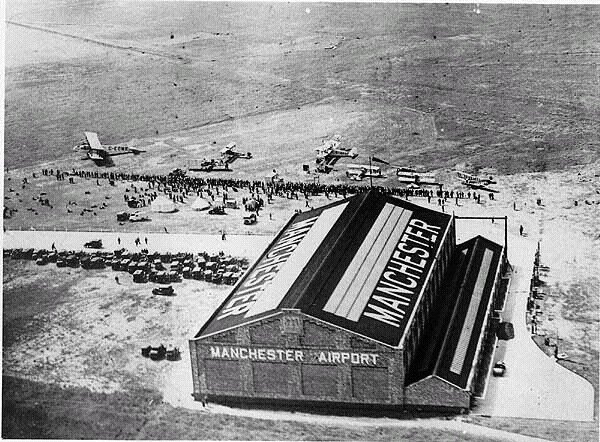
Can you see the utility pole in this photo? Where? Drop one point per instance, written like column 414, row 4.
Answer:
column 371, row 170
column 506, row 236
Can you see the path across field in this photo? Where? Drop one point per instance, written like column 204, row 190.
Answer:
column 535, row 386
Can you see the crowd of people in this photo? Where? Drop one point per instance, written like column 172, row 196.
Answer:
column 178, row 186
column 143, row 189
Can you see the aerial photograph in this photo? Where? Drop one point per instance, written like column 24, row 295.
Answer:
column 241, row 220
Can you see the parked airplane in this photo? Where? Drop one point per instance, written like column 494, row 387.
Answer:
column 229, row 154
column 357, row 172
column 332, row 148
column 475, row 182
column 100, row 154
column 410, row 175
column 330, row 152
column 210, row 165
column 475, row 179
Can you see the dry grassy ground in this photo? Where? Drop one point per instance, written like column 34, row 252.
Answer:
column 510, row 90
column 73, row 413
column 72, row 366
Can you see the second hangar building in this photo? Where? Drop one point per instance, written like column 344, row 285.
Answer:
column 366, row 301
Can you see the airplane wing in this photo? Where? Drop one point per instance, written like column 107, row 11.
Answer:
column 93, row 141
column 479, row 186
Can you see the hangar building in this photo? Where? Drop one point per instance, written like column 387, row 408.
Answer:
column 366, row 301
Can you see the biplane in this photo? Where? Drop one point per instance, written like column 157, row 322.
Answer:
column 229, row 154
column 358, row 172
column 330, row 152
column 410, row 175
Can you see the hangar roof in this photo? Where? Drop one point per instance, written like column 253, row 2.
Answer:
column 449, row 347
column 359, row 263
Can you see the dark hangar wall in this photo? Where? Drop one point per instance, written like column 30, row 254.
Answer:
column 296, row 358
column 431, row 290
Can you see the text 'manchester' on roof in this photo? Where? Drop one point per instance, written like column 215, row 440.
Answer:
column 360, row 263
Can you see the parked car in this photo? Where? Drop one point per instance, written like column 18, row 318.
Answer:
column 97, row 262
column 201, row 262
column 250, row 219
column 197, row 273
column 499, row 368
column 94, row 244
column 165, row 290
column 173, row 353
column 158, row 265
column 162, row 277
column 176, row 266
column 217, row 210
column 505, row 331
column 72, row 261
column 138, row 217
column 139, row 276
column 174, row 276
column 154, row 353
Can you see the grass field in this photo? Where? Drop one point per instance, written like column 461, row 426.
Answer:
column 513, row 88
column 512, row 91
column 76, row 413
column 86, row 379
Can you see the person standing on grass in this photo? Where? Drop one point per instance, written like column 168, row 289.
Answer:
column 521, row 230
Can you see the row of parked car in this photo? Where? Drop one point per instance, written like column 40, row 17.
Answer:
column 143, row 266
